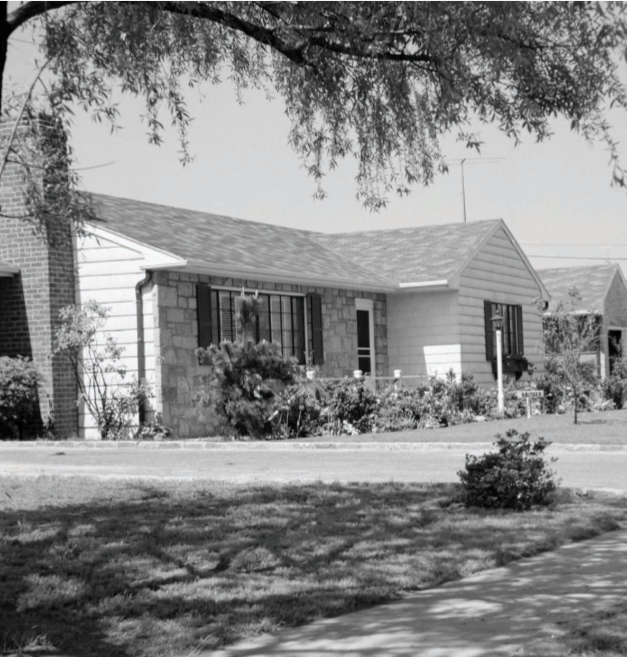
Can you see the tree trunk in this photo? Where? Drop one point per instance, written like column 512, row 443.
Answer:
column 4, row 42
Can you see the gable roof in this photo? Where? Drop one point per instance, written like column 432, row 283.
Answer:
column 421, row 257
column 593, row 283
column 421, row 254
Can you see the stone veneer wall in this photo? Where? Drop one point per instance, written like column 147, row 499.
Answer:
column 178, row 374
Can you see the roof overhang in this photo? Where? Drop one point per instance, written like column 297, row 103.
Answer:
column 7, row 271
column 443, row 285
column 271, row 276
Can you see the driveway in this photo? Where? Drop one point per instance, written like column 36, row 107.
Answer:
column 594, row 468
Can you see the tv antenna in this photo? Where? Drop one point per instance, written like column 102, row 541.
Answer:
column 471, row 160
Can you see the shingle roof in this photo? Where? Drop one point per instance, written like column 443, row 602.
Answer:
column 209, row 240
column 592, row 283
column 384, row 258
column 410, row 255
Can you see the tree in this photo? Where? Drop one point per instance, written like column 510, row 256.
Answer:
column 383, row 81
column 568, row 334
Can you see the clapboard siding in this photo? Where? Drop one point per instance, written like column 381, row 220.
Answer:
column 497, row 273
column 423, row 333
column 108, row 273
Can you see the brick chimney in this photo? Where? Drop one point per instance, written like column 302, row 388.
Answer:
column 31, row 299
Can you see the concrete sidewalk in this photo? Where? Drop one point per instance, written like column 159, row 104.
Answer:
column 493, row 614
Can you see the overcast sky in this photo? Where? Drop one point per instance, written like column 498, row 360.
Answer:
column 556, row 196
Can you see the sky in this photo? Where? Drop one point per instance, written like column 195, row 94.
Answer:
column 556, row 197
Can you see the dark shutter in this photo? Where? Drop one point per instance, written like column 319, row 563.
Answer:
column 489, row 338
column 203, row 295
column 519, row 330
column 315, row 308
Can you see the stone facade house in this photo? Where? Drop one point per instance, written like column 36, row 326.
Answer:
column 416, row 299
column 603, row 291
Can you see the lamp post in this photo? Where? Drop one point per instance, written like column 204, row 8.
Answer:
column 497, row 321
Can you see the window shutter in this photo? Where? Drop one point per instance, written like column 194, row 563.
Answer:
column 519, row 330
column 489, row 339
column 203, row 295
column 315, row 307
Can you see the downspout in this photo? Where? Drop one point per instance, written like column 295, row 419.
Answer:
column 141, row 354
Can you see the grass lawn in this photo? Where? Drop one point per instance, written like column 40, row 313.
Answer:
column 588, row 635
column 106, row 569
column 605, row 428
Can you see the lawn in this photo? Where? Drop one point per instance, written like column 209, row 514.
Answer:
column 105, row 569
column 604, row 428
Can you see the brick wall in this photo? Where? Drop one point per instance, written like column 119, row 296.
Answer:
column 31, row 301
column 176, row 339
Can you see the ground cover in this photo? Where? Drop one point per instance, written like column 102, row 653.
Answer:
column 604, row 428
column 588, row 635
column 120, row 568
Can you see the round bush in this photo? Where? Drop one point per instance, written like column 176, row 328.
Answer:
column 516, row 477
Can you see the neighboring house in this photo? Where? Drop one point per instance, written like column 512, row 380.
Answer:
column 603, row 291
column 416, row 299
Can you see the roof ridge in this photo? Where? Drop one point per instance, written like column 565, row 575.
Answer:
column 400, row 228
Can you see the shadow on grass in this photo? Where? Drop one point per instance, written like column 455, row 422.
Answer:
column 190, row 567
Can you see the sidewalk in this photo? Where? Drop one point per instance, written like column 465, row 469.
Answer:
column 496, row 613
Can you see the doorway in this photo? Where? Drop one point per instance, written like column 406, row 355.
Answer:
column 365, row 336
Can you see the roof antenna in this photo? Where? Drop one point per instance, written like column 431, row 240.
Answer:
column 472, row 160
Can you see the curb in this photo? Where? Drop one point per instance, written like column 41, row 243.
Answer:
column 288, row 446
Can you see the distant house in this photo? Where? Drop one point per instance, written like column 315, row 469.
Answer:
column 416, row 299
column 603, row 291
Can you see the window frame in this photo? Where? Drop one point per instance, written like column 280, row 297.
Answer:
column 513, row 340
column 301, row 323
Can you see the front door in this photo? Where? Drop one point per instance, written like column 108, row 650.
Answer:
column 365, row 337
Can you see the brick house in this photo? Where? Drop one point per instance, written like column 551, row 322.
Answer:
column 603, row 291
column 416, row 299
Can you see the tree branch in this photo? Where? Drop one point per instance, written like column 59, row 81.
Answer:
column 29, row 10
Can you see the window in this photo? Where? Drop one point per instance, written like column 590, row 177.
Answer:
column 281, row 320
column 512, row 334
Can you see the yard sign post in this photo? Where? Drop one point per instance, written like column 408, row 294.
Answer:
column 497, row 320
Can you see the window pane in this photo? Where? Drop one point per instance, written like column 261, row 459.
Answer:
column 215, row 318
column 286, row 318
column 298, row 324
column 264, row 317
column 227, row 318
column 275, row 320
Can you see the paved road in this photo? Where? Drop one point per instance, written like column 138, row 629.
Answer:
column 596, row 469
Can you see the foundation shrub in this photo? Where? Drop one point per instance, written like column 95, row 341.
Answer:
column 298, row 413
column 242, row 384
column 352, row 406
column 18, row 396
column 515, row 477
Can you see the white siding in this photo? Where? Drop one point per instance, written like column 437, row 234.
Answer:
column 423, row 333
column 107, row 272
column 497, row 273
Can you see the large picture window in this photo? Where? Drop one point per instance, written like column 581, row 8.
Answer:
column 281, row 320
column 513, row 343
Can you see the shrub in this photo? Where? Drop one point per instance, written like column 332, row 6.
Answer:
column 100, row 374
column 516, row 477
column 242, row 384
column 352, row 405
column 297, row 413
column 154, row 430
column 19, row 402
column 614, row 388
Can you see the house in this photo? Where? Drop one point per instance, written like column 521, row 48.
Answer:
column 603, row 292
column 417, row 299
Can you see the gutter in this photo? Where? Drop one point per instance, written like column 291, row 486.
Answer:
column 141, row 353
